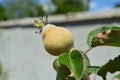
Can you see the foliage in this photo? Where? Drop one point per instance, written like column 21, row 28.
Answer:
column 2, row 13
column 104, row 36
column 117, row 5
column 111, row 66
column 75, row 64
column 22, row 8
column 64, row 6
column 71, row 60
column 11, row 9
column 40, row 11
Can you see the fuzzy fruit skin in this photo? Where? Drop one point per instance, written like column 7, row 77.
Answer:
column 57, row 40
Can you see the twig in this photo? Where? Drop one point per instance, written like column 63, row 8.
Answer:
column 87, row 51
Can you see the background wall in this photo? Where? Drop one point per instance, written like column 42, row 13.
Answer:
column 23, row 56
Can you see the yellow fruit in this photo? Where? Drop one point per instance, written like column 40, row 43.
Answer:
column 57, row 40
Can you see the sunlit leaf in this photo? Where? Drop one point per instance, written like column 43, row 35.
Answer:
column 74, row 61
column 111, row 66
column 104, row 36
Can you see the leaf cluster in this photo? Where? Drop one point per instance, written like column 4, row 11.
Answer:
column 65, row 6
column 12, row 9
column 75, row 65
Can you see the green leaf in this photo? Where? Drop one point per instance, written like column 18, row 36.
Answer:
column 62, row 71
column 111, row 66
column 93, row 69
column 104, row 36
column 74, row 61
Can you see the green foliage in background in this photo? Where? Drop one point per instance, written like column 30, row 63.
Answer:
column 117, row 5
column 23, row 8
column 65, row 6
column 11, row 9
column 2, row 13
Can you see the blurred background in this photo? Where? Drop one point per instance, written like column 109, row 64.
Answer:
column 22, row 55
column 11, row 9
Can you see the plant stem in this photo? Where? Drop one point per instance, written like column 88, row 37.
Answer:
column 86, row 76
column 87, row 51
column 94, row 77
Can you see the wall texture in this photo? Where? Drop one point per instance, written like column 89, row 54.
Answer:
column 23, row 56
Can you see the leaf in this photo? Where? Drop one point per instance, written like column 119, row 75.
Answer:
column 77, row 63
column 111, row 66
column 104, row 36
column 63, row 59
column 74, row 61
column 62, row 71
column 93, row 69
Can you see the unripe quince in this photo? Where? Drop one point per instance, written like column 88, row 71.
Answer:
column 56, row 39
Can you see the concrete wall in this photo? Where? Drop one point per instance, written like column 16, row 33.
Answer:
column 22, row 53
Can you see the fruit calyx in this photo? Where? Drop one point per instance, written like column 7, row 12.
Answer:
column 40, row 23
